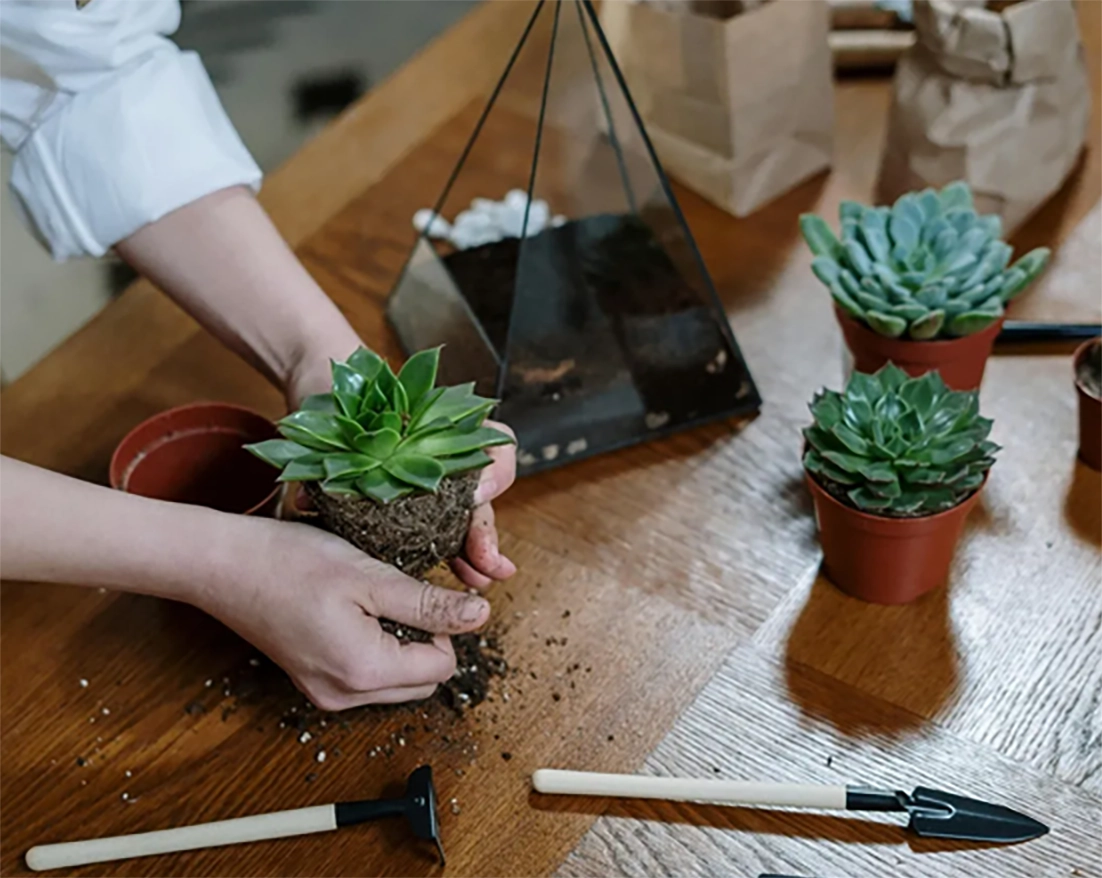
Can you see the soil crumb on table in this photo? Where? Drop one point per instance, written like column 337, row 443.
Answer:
column 260, row 684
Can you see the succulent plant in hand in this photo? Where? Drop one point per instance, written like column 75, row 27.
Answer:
column 896, row 446
column 383, row 436
column 928, row 267
column 391, row 462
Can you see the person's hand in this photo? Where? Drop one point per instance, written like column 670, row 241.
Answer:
column 311, row 602
column 482, row 562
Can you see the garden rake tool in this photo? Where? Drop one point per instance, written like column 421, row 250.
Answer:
column 417, row 805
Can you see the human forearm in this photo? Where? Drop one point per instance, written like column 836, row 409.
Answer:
column 307, row 598
column 224, row 262
column 57, row 529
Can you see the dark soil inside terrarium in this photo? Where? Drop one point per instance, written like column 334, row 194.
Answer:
column 600, row 293
column 414, row 533
column 1089, row 371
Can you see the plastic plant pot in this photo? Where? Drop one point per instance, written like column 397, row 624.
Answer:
column 1090, row 406
column 194, row 454
column 886, row 560
column 960, row 361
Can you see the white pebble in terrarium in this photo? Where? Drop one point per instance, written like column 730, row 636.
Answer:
column 487, row 221
column 431, row 224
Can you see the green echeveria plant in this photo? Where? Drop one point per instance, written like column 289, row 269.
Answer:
column 927, row 267
column 899, row 446
column 381, row 435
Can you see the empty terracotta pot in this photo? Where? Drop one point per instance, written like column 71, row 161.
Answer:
column 960, row 361
column 1090, row 409
column 886, row 560
column 193, row 454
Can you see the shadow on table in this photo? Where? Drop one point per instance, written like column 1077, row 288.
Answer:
column 903, row 654
column 1083, row 505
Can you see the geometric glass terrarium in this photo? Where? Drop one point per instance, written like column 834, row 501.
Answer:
column 557, row 268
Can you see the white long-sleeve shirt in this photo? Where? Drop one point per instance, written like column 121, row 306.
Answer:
column 111, row 124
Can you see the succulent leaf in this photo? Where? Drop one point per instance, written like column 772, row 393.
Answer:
column 381, row 487
column 302, row 470
column 927, row 268
column 898, row 446
column 826, row 269
column 928, row 325
column 279, row 452
column 818, row 235
column 886, row 324
column 320, row 402
column 971, row 322
column 383, row 436
column 367, row 363
column 417, row 470
column 418, row 375
column 339, row 466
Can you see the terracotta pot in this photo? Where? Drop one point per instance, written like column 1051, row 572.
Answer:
column 960, row 360
column 886, row 560
column 1090, row 412
column 193, row 454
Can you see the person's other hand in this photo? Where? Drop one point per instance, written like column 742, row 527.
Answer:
column 482, row 561
column 312, row 601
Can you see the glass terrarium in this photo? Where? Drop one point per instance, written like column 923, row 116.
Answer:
column 557, row 268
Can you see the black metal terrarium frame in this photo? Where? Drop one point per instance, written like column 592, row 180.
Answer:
column 597, row 331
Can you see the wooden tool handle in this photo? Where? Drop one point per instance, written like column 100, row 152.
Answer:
column 279, row 824
column 725, row 792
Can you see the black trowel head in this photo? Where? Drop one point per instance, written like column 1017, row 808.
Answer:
column 420, row 801
column 937, row 814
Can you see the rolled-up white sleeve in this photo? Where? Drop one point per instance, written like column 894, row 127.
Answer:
column 111, row 124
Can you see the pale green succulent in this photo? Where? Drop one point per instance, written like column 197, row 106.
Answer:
column 899, row 446
column 928, row 267
column 381, row 435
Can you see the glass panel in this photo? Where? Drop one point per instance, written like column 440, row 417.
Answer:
column 582, row 281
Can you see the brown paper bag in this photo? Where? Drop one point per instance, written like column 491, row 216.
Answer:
column 998, row 99
column 739, row 108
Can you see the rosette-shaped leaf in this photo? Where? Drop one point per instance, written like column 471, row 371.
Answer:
column 899, row 446
column 382, row 435
column 928, row 267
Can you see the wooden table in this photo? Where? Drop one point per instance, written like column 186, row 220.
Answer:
column 678, row 580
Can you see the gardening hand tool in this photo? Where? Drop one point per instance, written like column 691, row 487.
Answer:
column 1015, row 331
column 934, row 814
column 418, row 806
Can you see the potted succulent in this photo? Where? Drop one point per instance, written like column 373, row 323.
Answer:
column 1088, row 386
column 894, row 465
column 391, row 462
column 921, row 284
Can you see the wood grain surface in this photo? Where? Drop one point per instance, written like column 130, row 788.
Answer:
column 667, row 616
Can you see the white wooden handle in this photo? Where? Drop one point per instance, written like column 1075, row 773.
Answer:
column 319, row 818
column 724, row 792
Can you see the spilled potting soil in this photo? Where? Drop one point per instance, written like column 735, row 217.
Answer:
column 278, row 707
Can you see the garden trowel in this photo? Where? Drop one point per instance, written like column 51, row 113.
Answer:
column 933, row 813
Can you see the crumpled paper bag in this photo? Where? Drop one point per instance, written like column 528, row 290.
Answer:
column 999, row 99
column 739, row 107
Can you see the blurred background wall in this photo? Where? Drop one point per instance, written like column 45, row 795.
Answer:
column 282, row 68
